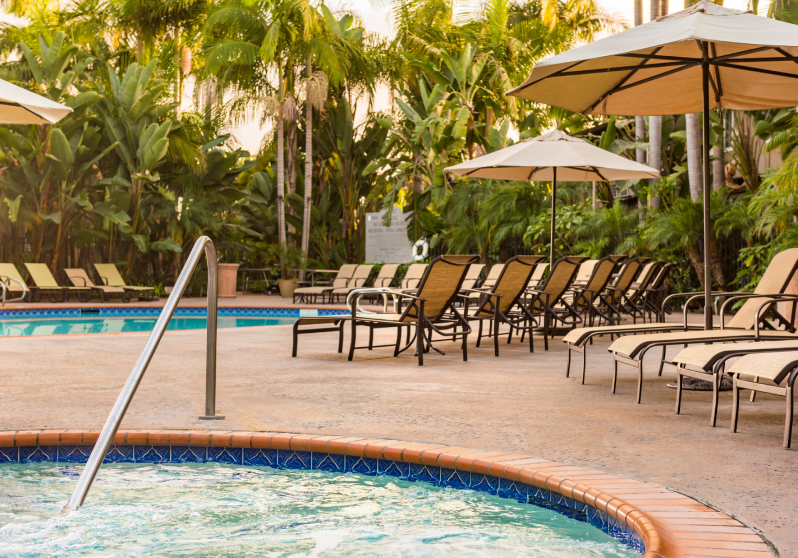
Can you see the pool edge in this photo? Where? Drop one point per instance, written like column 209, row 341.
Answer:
column 663, row 519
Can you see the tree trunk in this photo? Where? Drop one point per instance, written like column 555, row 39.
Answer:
column 694, row 156
column 718, row 168
column 716, row 267
column 280, row 177
column 308, row 174
column 139, row 45
column 640, row 121
column 291, row 155
column 654, row 152
column 698, row 262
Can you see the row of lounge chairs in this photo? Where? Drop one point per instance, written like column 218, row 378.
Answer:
column 595, row 295
column 112, row 284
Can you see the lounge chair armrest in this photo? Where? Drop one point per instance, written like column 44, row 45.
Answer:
column 742, row 296
column 535, row 291
column 104, row 280
column 73, row 279
column 403, row 295
column 480, row 291
column 695, row 295
column 780, row 298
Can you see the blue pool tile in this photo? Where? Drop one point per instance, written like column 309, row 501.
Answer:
column 37, row 454
column 294, row 460
column 9, row 455
column 225, row 455
column 74, row 454
column 511, row 489
column 120, row 454
column 484, row 483
column 260, row 457
column 152, row 454
column 362, row 465
column 394, row 468
column 189, row 454
column 455, row 479
column 424, row 473
column 328, row 462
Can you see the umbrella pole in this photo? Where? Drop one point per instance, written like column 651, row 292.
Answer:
column 707, row 190
column 553, row 196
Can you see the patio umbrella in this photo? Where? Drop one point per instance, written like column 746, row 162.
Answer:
column 20, row 106
column 553, row 156
column 704, row 57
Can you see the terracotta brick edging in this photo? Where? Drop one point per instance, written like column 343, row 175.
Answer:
column 669, row 524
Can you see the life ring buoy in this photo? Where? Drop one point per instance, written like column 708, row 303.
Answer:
column 424, row 245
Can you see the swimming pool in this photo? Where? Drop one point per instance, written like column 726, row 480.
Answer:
column 111, row 319
column 213, row 509
column 62, row 326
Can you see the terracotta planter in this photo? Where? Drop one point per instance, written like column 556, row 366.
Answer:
column 227, row 279
column 287, row 287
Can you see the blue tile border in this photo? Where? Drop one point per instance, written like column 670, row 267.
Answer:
column 144, row 312
column 287, row 459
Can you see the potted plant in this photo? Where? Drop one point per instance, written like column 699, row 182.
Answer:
column 291, row 260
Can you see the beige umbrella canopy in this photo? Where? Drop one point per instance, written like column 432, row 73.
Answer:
column 20, row 106
column 656, row 68
column 551, row 157
column 704, row 57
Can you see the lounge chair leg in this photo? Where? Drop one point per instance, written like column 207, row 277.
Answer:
column 753, row 392
column 584, row 363
column 398, row 341
column 568, row 366
column 678, row 391
column 735, row 405
column 661, row 361
column 788, row 419
column 639, row 380
column 296, row 339
column 371, row 337
column 352, row 342
column 545, row 332
column 479, row 335
column 614, row 374
column 716, row 381
column 465, row 346
column 341, row 337
column 496, row 339
column 420, row 342
column 531, row 337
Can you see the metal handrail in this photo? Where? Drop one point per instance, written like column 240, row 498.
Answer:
column 129, row 390
column 3, row 284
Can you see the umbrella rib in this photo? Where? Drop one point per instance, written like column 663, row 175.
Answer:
column 621, row 69
column 717, row 71
column 741, row 53
column 625, row 79
column 10, row 104
column 598, row 172
column 533, row 171
column 787, row 55
column 618, row 88
column 758, row 70
column 555, row 74
column 659, row 57
column 705, row 56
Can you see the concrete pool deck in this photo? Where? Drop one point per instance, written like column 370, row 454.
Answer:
column 525, row 406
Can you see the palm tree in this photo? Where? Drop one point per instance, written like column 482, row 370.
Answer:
column 658, row 8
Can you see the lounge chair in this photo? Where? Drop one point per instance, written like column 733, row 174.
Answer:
column 500, row 304
column 546, row 300
column 309, row 294
column 12, row 282
column 632, row 301
column 45, row 282
column 708, row 362
column 358, row 280
column 386, row 276
column 470, row 281
column 487, row 284
column 79, row 278
column 537, row 276
column 430, row 308
column 781, row 367
column 587, row 293
column 412, row 278
column 109, row 275
column 748, row 324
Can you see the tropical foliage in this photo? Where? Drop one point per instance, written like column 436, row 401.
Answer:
column 136, row 173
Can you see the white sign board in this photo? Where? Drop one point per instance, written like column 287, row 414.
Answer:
column 387, row 244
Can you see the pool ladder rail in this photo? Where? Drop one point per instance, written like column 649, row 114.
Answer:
column 203, row 244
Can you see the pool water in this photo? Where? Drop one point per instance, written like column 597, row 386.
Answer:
column 230, row 510
column 60, row 326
